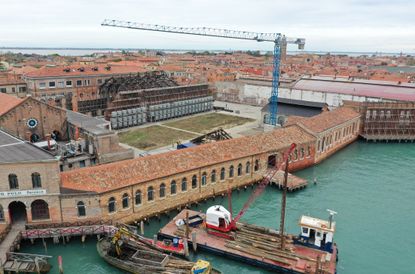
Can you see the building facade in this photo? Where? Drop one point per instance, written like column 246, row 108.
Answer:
column 134, row 189
column 29, row 183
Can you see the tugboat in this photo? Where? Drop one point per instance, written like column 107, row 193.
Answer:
column 317, row 233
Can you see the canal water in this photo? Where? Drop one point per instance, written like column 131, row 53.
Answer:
column 371, row 186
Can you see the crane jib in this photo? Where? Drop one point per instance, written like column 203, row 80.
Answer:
column 278, row 39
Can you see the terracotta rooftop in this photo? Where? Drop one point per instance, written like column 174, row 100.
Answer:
column 324, row 120
column 113, row 176
column 7, row 102
column 87, row 71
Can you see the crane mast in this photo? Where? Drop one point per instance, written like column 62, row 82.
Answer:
column 277, row 38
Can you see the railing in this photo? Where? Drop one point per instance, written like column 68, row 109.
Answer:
column 15, row 243
column 68, row 224
column 4, row 233
column 25, row 257
column 52, row 232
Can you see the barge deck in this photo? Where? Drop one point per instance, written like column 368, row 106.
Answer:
column 296, row 258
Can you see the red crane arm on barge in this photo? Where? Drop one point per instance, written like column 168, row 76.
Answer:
column 261, row 187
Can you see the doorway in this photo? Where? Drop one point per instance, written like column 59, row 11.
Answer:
column 272, row 161
column 17, row 211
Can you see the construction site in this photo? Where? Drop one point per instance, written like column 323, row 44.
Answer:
column 389, row 121
column 149, row 97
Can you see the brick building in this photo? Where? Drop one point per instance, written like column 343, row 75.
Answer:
column 29, row 182
column 89, row 140
column 141, row 187
column 31, row 119
column 333, row 129
column 12, row 84
column 63, row 86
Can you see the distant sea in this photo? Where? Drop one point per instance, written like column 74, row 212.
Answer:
column 89, row 51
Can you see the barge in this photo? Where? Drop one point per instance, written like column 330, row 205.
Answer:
column 312, row 251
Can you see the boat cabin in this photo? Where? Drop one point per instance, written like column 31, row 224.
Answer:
column 317, row 233
column 218, row 217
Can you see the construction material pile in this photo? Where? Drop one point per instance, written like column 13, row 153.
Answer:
column 266, row 243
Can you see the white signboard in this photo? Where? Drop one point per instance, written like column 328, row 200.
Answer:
column 17, row 193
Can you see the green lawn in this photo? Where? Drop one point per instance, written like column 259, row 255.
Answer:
column 209, row 122
column 153, row 137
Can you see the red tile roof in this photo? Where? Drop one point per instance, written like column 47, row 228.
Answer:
column 121, row 174
column 7, row 102
column 324, row 120
column 88, row 71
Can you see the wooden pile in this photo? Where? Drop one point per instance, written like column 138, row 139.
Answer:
column 265, row 243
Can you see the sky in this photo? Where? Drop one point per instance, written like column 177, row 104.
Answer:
column 327, row 25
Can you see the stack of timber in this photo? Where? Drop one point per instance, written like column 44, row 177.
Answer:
column 266, row 243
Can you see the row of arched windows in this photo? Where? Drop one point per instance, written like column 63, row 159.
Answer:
column 162, row 191
column 14, row 182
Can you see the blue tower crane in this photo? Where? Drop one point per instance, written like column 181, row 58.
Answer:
column 278, row 39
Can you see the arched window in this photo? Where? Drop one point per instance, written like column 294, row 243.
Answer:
column 36, row 181
column 13, row 182
column 162, row 190
column 40, row 210
column 204, row 178
column 173, row 187
column 222, row 173
column 138, row 197
column 231, row 171
column 111, row 205
column 150, row 193
column 1, row 213
column 302, row 153
column 125, row 200
column 308, row 151
column 295, row 154
column 239, row 169
column 256, row 166
column 194, row 181
column 248, row 167
column 213, row 176
column 81, row 209
column 184, row 184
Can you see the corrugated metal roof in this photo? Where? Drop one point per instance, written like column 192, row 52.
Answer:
column 13, row 150
column 367, row 88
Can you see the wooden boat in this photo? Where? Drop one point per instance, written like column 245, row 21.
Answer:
column 172, row 247
column 140, row 259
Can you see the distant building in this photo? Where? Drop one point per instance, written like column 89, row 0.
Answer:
column 317, row 89
column 148, row 97
column 62, row 86
column 12, row 84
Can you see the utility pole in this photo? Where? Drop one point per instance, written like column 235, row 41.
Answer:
column 283, row 203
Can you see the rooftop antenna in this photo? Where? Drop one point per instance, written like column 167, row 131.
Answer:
column 332, row 213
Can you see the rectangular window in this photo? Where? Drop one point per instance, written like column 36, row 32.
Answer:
column 22, row 89
column 78, row 83
column 13, row 90
column 3, row 90
column 82, row 163
column 305, row 230
column 69, row 83
column 52, row 84
column 61, row 84
column 42, row 85
column 99, row 81
column 87, row 82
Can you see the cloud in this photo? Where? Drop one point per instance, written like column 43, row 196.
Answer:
column 346, row 25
